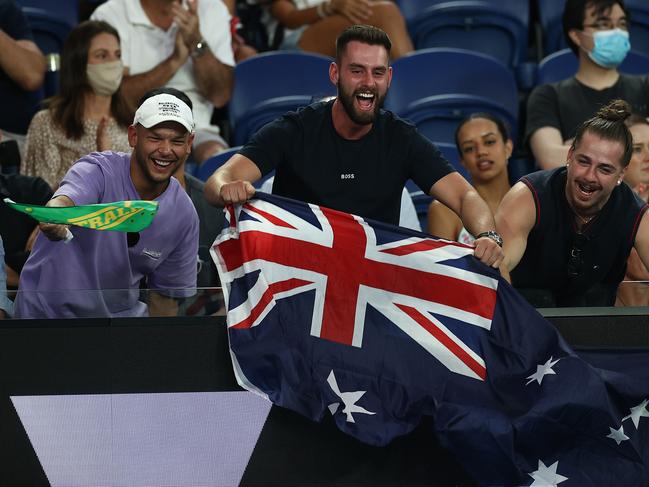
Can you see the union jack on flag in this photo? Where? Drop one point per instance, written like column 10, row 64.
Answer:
column 351, row 264
column 376, row 325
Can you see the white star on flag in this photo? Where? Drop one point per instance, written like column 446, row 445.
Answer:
column 546, row 476
column 542, row 370
column 638, row 412
column 617, row 435
column 349, row 400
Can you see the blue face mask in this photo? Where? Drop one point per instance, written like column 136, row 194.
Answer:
column 610, row 47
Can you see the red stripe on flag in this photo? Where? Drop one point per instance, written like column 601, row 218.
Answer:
column 423, row 246
column 349, row 263
column 271, row 218
column 230, row 251
column 267, row 298
column 453, row 347
column 233, row 220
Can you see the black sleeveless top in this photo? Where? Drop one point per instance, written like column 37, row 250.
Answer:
column 563, row 267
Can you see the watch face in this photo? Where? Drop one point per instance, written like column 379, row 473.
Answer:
column 200, row 49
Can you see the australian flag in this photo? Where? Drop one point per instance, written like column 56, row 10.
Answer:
column 332, row 314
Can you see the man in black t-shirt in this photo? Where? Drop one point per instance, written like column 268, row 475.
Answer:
column 22, row 69
column 350, row 155
column 17, row 229
column 597, row 32
column 568, row 231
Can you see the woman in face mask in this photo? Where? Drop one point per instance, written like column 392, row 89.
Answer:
column 88, row 113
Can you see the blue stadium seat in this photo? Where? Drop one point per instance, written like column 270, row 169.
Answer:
column 50, row 30
column 550, row 13
column 449, row 151
column 519, row 167
column 272, row 83
column 498, row 28
column 563, row 64
column 67, row 10
column 639, row 30
column 436, row 88
column 206, row 169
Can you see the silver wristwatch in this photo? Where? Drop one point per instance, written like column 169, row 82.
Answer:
column 495, row 236
column 200, row 48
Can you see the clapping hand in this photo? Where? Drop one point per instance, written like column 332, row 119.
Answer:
column 187, row 21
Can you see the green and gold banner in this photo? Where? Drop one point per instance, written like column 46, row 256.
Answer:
column 120, row 216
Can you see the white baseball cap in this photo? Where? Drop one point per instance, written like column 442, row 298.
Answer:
column 164, row 108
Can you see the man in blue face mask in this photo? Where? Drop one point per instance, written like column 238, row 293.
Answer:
column 597, row 31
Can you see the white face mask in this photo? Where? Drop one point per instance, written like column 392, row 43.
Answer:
column 105, row 78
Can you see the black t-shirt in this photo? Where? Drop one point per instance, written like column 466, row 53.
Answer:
column 565, row 105
column 15, row 227
column 591, row 276
column 210, row 225
column 365, row 177
column 18, row 105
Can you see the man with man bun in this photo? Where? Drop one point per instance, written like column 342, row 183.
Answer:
column 568, row 231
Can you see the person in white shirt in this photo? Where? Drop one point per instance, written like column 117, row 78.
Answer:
column 186, row 46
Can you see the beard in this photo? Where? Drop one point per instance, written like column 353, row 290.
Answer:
column 356, row 116
column 144, row 162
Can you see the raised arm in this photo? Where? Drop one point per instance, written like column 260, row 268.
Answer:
column 515, row 219
column 232, row 182
column 55, row 231
column 214, row 78
column 548, row 148
column 23, row 61
column 457, row 194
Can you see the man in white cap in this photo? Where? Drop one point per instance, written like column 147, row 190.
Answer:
column 98, row 273
column 184, row 44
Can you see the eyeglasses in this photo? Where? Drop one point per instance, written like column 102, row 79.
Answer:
column 576, row 259
column 607, row 24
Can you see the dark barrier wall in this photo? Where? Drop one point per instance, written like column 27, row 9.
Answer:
column 190, row 355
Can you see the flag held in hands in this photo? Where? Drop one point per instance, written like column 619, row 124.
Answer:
column 120, row 216
column 378, row 326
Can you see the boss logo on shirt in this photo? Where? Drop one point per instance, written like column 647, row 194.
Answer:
column 152, row 254
column 347, row 176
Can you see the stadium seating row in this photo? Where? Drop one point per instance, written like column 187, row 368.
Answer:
column 498, row 28
column 435, row 86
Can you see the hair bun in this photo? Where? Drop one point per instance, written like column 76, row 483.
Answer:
column 615, row 111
